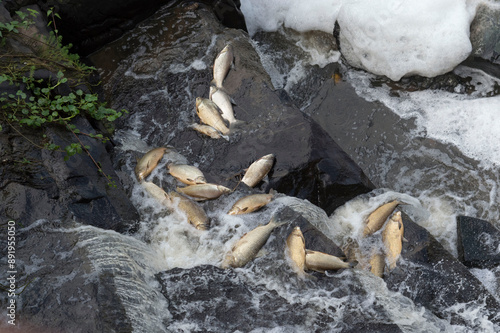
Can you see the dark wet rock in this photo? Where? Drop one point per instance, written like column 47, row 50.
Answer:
column 68, row 279
column 430, row 276
column 39, row 184
column 309, row 164
column 213, row 299
column 478, row 243
column 90, row 24
column 484, row 33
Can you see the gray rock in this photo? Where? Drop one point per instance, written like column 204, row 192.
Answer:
column 211, row 299
column 78, row 278
column 39, row 184
column 478, row 243
column 309, row 164
column 485, row 32
column 430, row 276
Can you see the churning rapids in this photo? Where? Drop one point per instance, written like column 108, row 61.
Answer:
column 436, row 151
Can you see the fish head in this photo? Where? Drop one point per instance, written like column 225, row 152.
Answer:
column 199, row 100
column 213, row 90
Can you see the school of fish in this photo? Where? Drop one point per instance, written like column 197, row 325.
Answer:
column 218, row 120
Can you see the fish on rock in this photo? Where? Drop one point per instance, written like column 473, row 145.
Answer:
column 247, row 247
column 321, row 262
column 156, row 192
column 392, row 237
column 258, row 170
column 209, row 114
column 250, row 203
column 194, row 212
column 377, row 263
column 296, row 248
column 148, row 162
column 206, row 191
column 206, row 130
column 222, row 64
column 223, row 101
column 186, row 174
column 377, row 218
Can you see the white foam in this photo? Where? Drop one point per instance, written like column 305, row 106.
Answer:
column 296, row 14
column 386, row 37
column 397, row 38
column 471, row 123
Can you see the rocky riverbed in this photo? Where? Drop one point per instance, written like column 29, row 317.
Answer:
column 93, row 258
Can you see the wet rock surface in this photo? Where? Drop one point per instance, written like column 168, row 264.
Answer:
column 39, row 184
column 90, row 24
column 478, row 243
column 212, row 299
column 80, row 278
column 159, row 85
column 430, row 276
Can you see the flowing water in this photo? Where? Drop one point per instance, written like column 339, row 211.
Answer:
column 440, row 171
column 434, row 150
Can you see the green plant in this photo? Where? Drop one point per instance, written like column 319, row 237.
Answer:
column 37, row 102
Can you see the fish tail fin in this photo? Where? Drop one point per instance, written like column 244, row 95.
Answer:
column 236, row 124
column 353, row 263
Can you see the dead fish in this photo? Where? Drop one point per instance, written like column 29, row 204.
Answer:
column 207, row 130
column 194, row 212
column 392, row 237
column 155, row 191
column 187, row 174
column 247, row 247
column 296, row 246
column 223, row 101
column 258, row 170
column 377, row 218
column 204, row 191
column 148, row 162
column 377, row 264
column 210, row 115
column 222, row 64
column 250, row 203
column 321, row 262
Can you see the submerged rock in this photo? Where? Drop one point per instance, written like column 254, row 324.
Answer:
column 478, row 243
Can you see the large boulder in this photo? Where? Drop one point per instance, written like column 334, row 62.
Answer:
column 90, row 24
column 256, row 297
column 158, row 75
column 75, row 278
column 39, row 184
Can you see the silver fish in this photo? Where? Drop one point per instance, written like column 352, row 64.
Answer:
column 250, row 203
column 210, row 115
column 148, row 162
column 223, row 101
column 187, row 174
column 222, row 64
column 321, row 262
column 258, row 170
column 194, row 212
column 207, row 130
column 247, row 247
column 155, row 191
column 377, row 218
column 296, row 246
column 392, row 236
column 377, row 263
column 204, row 191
